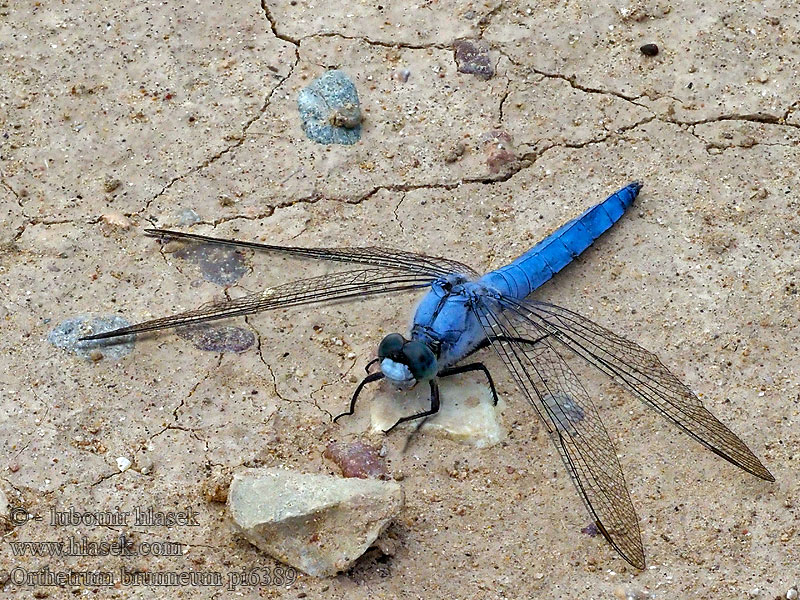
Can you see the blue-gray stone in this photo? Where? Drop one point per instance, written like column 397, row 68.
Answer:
column 188, row 217
column 330, row 110
column 65, row 335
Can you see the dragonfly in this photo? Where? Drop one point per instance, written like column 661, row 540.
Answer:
column 464, row 312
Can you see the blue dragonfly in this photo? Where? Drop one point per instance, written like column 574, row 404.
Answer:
column 464, row 312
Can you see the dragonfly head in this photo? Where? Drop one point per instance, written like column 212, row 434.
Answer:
column 406, row 362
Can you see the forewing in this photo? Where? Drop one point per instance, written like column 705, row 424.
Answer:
column 643, row 374
column 378, row 257
column 571, row 420
column 325, row 288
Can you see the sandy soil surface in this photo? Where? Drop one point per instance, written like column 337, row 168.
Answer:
column 116, row 116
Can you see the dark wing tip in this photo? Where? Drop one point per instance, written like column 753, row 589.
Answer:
column 633, row 555
column 106, row 334
column 636, row 561
column 762, row 472
column 153, row 232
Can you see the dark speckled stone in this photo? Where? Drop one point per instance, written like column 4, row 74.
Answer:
column 218, row 264
column 224, row 338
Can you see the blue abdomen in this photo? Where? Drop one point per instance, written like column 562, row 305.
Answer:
column 560, row 248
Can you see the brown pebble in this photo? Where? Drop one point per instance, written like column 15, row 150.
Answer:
column 357, row 460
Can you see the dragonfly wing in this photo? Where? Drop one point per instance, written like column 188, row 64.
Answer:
column 378, row 257
column 572, row 421
column 643, row 374
column 325, row 288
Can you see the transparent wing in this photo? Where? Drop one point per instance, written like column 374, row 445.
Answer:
column 642, row 373
column 378, row 257
column 572, row 421
column 325, row 288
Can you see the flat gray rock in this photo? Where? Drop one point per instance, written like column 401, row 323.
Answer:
column 316, row 523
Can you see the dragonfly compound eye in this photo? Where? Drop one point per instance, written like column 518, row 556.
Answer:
column 391, row 345
column 420, row 360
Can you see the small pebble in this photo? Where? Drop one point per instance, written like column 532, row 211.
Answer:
column 110, row 184
column 357, row 460
column 188, row 217
column 347, row 116
column 145, row 466
column 649, row 49
column 499, row 150
column 455, row 153
column 123, row 464
column 402, row 75
column 473, row 59
column 630, row 594
column 591, row 530
column 791, row 594
column 116, row 220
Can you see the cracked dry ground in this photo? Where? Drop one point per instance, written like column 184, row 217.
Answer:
column 117, row 116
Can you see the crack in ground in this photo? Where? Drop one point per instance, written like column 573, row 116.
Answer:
column 6, row 185
column 268, row 15
column 170, row 426
column 572, row 80
column 242, row 137
column 503, row 101
column 192, row 391
column 325, row 385
column 269, row 368
column 752, row 117
column 106, row 477
column 380, row 43
column 397, row 216
column 522, row 162
column 275, row 382
column 710, row 146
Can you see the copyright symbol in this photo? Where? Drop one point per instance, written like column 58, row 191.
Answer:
column 18, row 515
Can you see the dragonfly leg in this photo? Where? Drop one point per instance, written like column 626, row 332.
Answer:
column 370, row 363
column 425, row 413
column 365, row 381
column 472, row 367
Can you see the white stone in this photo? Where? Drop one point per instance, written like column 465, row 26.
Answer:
column 466, row 412
column 316, row 523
